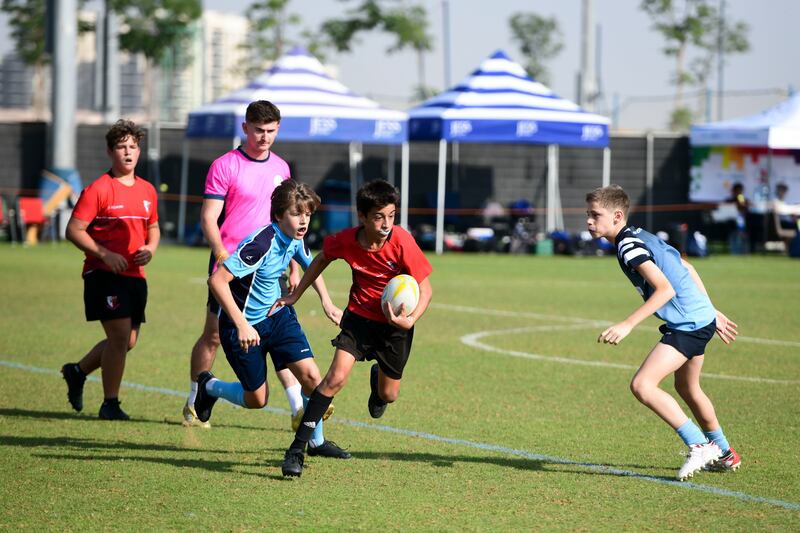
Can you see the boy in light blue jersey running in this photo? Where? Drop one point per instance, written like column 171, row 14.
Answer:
column 673, row 291
column 246, row 286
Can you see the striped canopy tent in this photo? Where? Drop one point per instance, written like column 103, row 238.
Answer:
column 500, row 103
column 314, row 108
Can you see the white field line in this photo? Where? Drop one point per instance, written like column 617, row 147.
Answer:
column 604, row 469
column 473, row 340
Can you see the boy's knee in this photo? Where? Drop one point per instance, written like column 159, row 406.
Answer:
column 389, row 396
column 639, row 388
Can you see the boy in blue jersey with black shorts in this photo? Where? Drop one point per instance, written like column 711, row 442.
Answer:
column 246, row 286
column 673, row 291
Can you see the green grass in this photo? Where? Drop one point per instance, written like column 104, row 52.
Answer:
column 503, row 443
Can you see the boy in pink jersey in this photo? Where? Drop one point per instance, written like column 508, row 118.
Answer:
column 115, row 222
column 239, row 186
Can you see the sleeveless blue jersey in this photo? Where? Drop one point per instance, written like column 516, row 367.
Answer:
column 689, row 309
column 257, row 265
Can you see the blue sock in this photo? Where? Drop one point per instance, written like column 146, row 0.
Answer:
column 691, row 434
column 317, row 438
column 231, row 391
column 719, row 438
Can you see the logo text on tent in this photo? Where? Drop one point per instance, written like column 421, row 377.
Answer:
column 386, row 129
column 527, row 128
column 460, row 128
column 322, row 126
column 591, row 132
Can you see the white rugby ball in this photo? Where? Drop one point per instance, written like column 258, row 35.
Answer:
column 402, row 289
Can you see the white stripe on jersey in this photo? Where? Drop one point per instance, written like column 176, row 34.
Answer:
column 634, row 253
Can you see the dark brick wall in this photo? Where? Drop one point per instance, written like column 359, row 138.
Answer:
column 504, row 173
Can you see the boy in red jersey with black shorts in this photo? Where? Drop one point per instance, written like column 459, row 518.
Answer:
column 115, row 223
column 376, row 251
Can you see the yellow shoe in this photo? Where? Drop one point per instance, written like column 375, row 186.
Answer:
column 190, row 418
column 296, row 419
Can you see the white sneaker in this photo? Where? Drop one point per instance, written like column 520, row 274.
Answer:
column 699, row 456
column 190, row 417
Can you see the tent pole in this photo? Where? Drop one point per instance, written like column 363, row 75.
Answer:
column 551, row 180
column 440, row 196
column 184, row 188
column 355, row 159
column 606, row 166
column 404, row 156
column 649, row 172
column 390, row 165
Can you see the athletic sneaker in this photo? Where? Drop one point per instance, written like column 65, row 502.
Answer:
column 375, row 405
column 699, row 456
column 296, row 419
column 292, row 463
column 328, row 448
column 75, row 380
column 730, row 461
column 190, row 417
column 110, row 410
column 204, row 402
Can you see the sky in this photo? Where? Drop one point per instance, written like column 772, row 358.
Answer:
column 634, row 71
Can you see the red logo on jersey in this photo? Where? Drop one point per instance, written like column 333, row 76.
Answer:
column 112, row 302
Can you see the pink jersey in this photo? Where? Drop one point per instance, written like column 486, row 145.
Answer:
column 246, row 185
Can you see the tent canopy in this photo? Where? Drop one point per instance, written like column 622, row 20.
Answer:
column 314, row 107
column 777, row 127
column 500, row 103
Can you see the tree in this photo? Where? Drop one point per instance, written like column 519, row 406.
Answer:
column 267, row 41
column 539, row 39
column 693, row 25
column 27, row 22
column 407, row 23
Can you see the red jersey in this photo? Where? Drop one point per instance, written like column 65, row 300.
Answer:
column 118, row 217
column 372, row 270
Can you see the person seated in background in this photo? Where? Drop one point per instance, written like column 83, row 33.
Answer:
column 787, row 213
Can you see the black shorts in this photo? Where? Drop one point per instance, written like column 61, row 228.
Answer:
column 367, row 339
column 689, row 343
column 108, row 296
column 211, row 302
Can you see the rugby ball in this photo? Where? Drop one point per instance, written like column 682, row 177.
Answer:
column 402, row 289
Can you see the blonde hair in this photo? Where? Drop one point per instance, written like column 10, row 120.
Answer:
column 611, row 197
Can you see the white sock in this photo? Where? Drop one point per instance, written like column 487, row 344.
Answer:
column 293, row 394
column 192, row 393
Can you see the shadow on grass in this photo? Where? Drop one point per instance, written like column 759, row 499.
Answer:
column 204, row 464
column 85, row 416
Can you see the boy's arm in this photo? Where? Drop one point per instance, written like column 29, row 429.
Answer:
column 726, row 328
column 662, row 293
column 313, row 271
column 145, row 254
column 407, row 322
column 77, row 234
column 332, row 312
column 220, row 288
column 294, row 276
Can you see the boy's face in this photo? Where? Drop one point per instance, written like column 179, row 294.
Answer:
column 294, row 222
column 124, row 156
column 602, row 222
column 260, row 137
column 378, row 223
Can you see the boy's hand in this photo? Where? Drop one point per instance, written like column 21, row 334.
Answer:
column 400, row 320
column 115, row 262
column 142, row 256
column 334, row 314
column 615, row 333
column 726, row 328
column 280, row 302
column 248, row 337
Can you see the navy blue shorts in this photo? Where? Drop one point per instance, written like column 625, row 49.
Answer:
column 689, row 343
column 281, row 337
column 108, row 296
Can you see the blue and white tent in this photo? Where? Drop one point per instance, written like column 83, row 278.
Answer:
column 500, row 103
column 314, row 108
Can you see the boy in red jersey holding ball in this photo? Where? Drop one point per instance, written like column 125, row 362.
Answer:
column 115, row 223
column 376, row 251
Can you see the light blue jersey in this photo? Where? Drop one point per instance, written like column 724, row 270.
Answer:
column 257, row 265
column 689, row 309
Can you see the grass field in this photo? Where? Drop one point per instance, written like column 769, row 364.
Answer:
column 511, row 417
